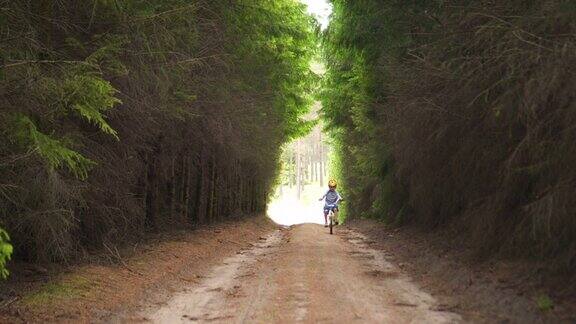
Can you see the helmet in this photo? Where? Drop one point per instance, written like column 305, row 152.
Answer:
column 332, row 183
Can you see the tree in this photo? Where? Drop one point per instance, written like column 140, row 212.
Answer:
column 128, row 117
column 458, row 114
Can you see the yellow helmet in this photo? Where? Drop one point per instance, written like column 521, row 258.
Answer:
column 332, row 183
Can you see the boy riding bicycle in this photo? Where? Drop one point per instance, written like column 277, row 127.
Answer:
column 332, row 198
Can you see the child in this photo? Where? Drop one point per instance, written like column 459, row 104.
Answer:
column 331, row 203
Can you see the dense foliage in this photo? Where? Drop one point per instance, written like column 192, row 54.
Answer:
column 119, row 117
column 459, row 113
column 5, row 253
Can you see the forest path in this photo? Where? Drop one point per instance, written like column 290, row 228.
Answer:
column 303, row 274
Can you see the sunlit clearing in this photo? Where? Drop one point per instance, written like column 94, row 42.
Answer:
column 287, row 209
column 303, row 177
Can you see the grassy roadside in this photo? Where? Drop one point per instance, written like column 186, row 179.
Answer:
column 62, row 290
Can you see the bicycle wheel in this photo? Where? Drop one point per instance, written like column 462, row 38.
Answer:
column 331, row 221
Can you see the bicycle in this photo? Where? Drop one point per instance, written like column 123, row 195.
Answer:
column 332, row 217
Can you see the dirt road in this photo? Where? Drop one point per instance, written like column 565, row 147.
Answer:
column 303, row 274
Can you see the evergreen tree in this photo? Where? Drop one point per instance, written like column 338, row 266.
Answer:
column 122, row 117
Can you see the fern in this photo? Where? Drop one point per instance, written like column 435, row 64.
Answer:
column 51, row 150
column 5, row 253
column 89, row 96
column 106, row 57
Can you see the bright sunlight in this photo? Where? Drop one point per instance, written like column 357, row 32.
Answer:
column 321, row 9
column 303, row 178
column 305, row 161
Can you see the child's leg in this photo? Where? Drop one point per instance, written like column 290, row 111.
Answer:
column 325, row 217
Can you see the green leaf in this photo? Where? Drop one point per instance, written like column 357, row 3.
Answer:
column 52, row 150
column 89, row 97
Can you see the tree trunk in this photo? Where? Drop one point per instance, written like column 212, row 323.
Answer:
column 201, row 206
column 186, row 189
column 151, row 192
column 298, row 171
column 212, row 186
column 322, row 167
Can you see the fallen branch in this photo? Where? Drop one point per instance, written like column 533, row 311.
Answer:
column 116, row 255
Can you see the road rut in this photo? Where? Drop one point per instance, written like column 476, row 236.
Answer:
column 301, row 274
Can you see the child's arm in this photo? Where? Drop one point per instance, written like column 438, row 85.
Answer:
column 339, row 198
column 322, row 197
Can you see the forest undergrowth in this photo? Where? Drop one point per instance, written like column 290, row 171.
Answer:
column 459, row 114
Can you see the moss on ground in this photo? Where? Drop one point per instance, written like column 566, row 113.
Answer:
column 55, row 292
